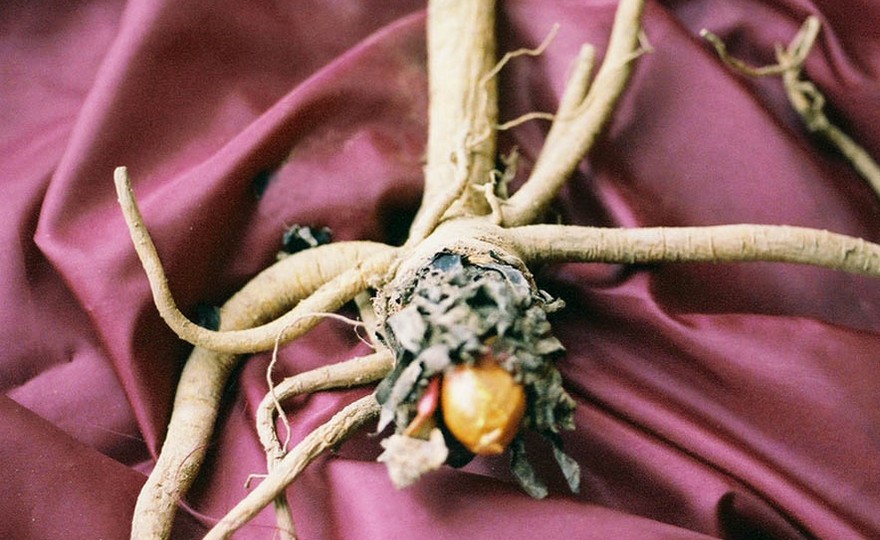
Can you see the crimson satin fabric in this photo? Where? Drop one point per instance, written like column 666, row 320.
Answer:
column 733, row 401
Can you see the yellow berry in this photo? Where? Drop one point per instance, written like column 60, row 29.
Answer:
column 482, row 406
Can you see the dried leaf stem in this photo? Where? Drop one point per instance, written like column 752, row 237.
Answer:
column 805, row 97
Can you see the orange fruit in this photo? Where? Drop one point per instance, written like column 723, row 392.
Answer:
column 483, row 406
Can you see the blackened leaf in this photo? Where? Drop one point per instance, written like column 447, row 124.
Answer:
column 383, row 389
column 207, row 316
column 523, row 472
column 567, row 464
column 299, row 237
column 322, row 236
column 447, row 262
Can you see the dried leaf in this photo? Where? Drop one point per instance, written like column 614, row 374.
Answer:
column 409, row 329
column 456, row 312
column 299, row 237
column 408, row 458
column 401, row 389
column 569, row 467
column 523, row 472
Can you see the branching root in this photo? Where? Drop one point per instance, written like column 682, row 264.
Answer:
column 354, row 372
column 464, row 211
column 805, row 97
column 329, row 297
column 584, row 111
column 336, row 430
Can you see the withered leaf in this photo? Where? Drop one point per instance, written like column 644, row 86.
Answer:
column 409, row 329
column 523, row 472
column 409, row 458
column 399, row 392
column 459, row 310
column 299, row 237
column 569, row 467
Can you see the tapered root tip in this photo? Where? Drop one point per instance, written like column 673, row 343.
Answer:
column 122, row 181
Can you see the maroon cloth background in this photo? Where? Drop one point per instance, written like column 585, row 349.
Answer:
column 736, row 401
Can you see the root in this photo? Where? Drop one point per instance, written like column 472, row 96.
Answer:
column 431, row 214
column 354, row 372
column 805, row 98
column 337, row 429
column 199, row 391
column 461, row 44
column 510, row 55
column 272, row 394
column 470, row 146
column 330, row 297
column 461, row 154
column 717, row 244
column 579, row 121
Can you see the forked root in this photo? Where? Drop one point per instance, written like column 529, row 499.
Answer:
column 206, row 373
column 354, row 372
column 584, row 110
column 270, row 294
column 336, row 430
column 804, row 96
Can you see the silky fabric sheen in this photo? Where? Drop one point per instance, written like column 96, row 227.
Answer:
column 731, row 401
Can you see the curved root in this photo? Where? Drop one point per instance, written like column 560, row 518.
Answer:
column 295, row 323
column 199, row 391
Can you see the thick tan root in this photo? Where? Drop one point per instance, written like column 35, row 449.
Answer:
column 201, row 384
column 718, row 244
column 463, row 109
column 337, row 429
